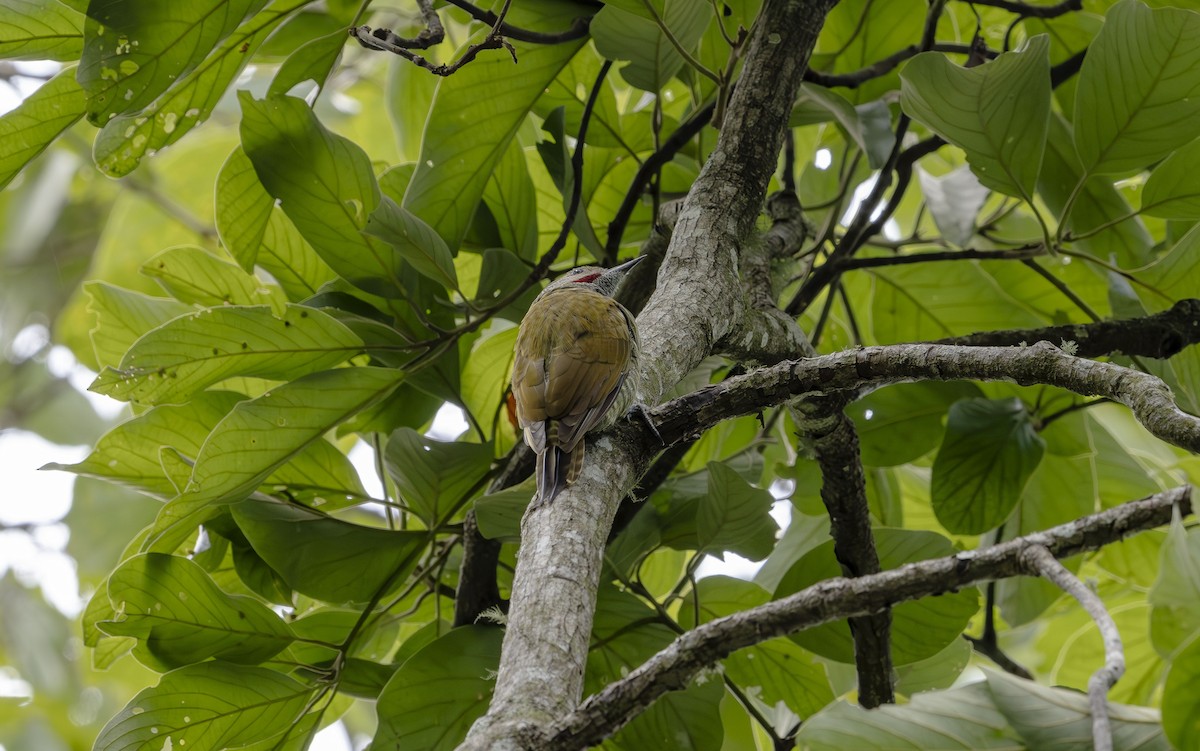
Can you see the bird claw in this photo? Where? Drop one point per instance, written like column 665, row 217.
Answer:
column 640, row 412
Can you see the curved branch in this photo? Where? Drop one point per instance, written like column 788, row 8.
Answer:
column 674, row 667
column 1147, row 397
column 578, row 30
column 1042, row 561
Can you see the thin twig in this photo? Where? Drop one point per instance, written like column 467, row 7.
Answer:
column 1039, row 558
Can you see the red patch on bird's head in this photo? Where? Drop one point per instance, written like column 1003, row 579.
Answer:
column 589, row 277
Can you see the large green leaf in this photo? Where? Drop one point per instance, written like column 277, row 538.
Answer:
column 901, row 423
column 1059, row 718
column 126, row 139
column 920, row 629
column 327, row 558
column 475, row 113
column 1180, row 700
column 735, row 516
column 774, row 671
column 180, row 616
column 325, row 185
column 1097, row 203
column 653, row 58
column 414, row 240
column 962, row 719
column 625, row 634
column 124, row 316
column 40, row 30
column 129, row 453
column 510, row 196
column 243, row 208
column 207, row 706
column 133, row 51
column 998, row 112
column 1175, row 598
column 433, row 476
column 859, row 33
column 1171, row 190
column 988, row 453
column 434, row 697
column 486, row 374
column 260, row 435
column 922, row 301
column 193, row 275
column 1139, row 88
column 285, row 255
column 187, row 354
column 27, row 130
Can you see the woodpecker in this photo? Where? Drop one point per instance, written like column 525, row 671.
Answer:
column 574, row 350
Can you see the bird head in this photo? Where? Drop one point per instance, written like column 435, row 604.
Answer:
column 595, row 278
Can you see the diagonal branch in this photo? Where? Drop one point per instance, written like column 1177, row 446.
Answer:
column 674, row 667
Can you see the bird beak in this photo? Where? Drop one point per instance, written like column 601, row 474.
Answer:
column 625, row 267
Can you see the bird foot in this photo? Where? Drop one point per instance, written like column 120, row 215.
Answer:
column 640, row 412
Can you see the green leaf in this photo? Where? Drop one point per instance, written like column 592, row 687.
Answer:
column 1059, row 718
column 510, row 196
column 312, row 61
column 286, row 256
column 817, row 104
column 414, row 240
column 499, row 514
column 325, row 185
column 134, row 51
column 187, row 354
column 920, row 629
column 40, row 30
column 901, row 423
column 123, row 316
column 653, row 59
column 180, row 616
column 434, row 697
column 433, row 477
column 28, row 129
column 485, row 376
column 260, row 435
column 1175, row 598
column 1171, row 191
column 1097, row 203
column 243, row 209
column 126, row 139
column 1139, row 88
column 782, row 672
column 988, row 453
column 211, row 705
column 475, row 114
column 735, row 516
column 1180, row 700
column 128, row 454
column 962, row 719
column 997, row 112
column 193, row 275
column 326, row 558
column 625, row 634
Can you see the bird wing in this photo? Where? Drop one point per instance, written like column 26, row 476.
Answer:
column 587, row 342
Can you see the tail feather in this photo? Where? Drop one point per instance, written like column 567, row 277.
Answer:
column 553, row 471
